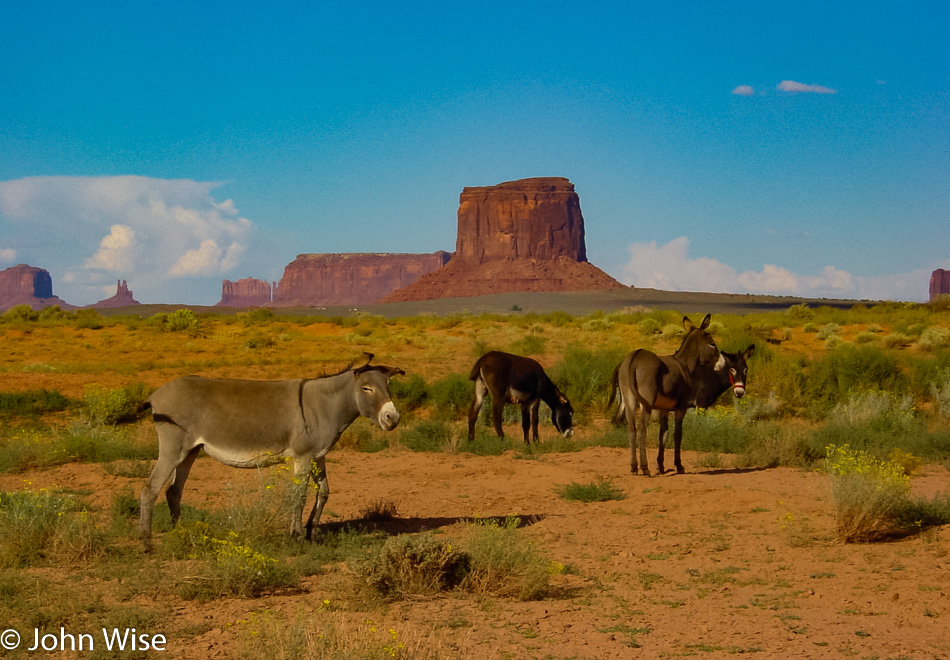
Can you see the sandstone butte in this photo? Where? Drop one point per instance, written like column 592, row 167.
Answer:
column 28, row 285
column 525, row 235
column 939, row 283
column 122, row 298
column 350, row 278
column 247, row 292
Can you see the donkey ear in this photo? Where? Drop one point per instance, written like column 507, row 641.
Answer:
column 389, row 372
column 687, row 324
column 361, row 362
column 747, row 353
column 705, row 323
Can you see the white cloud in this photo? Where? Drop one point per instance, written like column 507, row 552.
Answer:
column 7, row 255
column 88, row 230
column 743, row 90
column 115, row 250
column 800, row 88
column 670, row 267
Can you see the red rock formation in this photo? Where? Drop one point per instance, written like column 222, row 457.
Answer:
column 350, row 279
column 525, row 235
column 939, row 283
column 527, row 219
column 28, row 285
column 122, row 298
column 248, row 292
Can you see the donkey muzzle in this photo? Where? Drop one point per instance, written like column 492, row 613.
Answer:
column 568, row 433
column 388, row 416
column 738, row 389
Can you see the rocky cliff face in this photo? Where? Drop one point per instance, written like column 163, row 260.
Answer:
column 525, row 235
column 527, row 219
column 122, row 298
column 350, row 279
column 248, row 292
column 939, row 283
column 28, row 285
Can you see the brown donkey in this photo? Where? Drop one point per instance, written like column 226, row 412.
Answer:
column 664, row 383
column 520, row 380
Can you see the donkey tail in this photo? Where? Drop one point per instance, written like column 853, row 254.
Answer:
column 614, row 385
column 476, row 370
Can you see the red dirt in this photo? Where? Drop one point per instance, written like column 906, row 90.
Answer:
column 711, row 563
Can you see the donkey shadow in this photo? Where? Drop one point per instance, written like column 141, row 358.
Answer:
column 394, row 525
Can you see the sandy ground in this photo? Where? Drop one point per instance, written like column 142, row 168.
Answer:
column 711, row 563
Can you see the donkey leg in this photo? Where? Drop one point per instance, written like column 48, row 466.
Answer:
column 644, row 416
column 475, row 407
column 630, row 413
column 302, row 468
column 497, row 411
column 661, row 450
column 534, row 420
column 173, row 493
column 678, row 439
column 319, row 474
column 171, row 441
column 526, row 423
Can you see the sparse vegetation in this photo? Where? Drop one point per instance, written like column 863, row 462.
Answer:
column 73, row 381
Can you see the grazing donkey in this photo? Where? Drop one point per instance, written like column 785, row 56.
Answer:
column 252, row 423
column 665, row 383
column 520, row 380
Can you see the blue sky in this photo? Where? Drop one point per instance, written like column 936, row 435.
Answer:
column 798, row 148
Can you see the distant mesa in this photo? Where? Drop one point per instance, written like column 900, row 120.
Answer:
column 939, row 284
column 351, row 278
column 28, row 285
column 525, row 235
column 248, row 292
column 122, row 298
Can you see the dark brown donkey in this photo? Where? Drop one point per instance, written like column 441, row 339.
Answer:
column 664, row 383
column 520, row 380
column 708, row 383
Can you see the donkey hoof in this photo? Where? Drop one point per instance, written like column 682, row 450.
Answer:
column 680, row 469
column 645, row 472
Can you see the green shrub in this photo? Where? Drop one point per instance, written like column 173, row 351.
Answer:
column 649, row 326
column 428, row 435
column 852, row 368
column 715, row 430
column 486, row 443
column 46, row 526
column 941, row 393
column 583, row 375
column 409, row 393
column 530, row 344
column 32, row 402
column 181, row 320
column 452, row 395
column 88, row 319
column 933, row 338
column 505, row 564
column 869, row 494
column 827, row 330
column 601, row 490
column 408, row 566
column 20, row 314
column 114, row 406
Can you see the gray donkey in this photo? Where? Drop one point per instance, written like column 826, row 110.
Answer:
column 252, row 423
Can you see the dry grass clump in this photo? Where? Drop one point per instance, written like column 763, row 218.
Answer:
column 494, row 561
column 869, row 494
